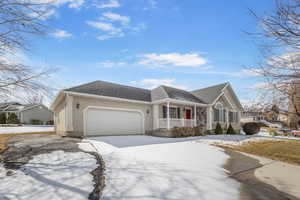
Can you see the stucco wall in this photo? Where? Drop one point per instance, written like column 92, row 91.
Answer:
column 84, row 102
column 36, row 113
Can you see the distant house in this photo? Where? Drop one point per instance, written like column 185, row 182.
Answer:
column 27, row 113
column 252, row 116
column 103, row 108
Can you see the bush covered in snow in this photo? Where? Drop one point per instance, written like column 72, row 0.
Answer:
column 251, row 128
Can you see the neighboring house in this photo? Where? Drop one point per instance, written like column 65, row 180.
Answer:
column 28, row 113
column 103, row 108
column 252, row 116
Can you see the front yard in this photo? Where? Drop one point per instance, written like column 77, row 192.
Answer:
column 283, row 150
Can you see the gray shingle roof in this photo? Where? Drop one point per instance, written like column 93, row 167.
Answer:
column 205, row 95
column 174, row 93
column 209, row 94
column 113, row 90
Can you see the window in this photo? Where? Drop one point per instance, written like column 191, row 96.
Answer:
column 233, row 117
column 174, row 112
column 219, row 113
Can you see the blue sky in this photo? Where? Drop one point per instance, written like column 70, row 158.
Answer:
column 144, row 43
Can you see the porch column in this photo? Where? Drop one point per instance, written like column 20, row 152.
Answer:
column 195, row 115
column 168, row 115
column 209, row 118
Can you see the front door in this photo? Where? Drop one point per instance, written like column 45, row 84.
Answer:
column 188, row 114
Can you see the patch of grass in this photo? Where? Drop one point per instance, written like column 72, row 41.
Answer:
column 5, row 137
column 286, row 151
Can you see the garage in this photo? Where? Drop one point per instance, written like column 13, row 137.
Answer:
column 113, row 121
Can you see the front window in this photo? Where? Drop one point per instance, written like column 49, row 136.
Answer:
column 174, row 112
column 233, row 117
column 219, row 113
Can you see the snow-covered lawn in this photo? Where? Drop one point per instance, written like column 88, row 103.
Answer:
column 25, row 129
column 144, row 167
column 58, row 175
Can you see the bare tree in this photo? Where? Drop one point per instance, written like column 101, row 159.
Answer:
column 280, row 50
column 20, row 19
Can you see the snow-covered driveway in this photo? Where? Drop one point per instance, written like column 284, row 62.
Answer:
column 144, row 167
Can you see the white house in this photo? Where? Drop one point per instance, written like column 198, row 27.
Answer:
column 103, row 108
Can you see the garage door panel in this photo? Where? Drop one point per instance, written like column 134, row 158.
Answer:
column 102, row 121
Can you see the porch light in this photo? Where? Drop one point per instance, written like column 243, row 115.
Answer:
column 148, row 111
column 77, row 105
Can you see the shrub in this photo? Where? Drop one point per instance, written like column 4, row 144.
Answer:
column 12, row 119
column 35, row 122
column 230, row 130
column 218, row 129
column 251, row 128
column 50, row 122
column 187, row 131
column 2, row 118
column 199, row 130
column 273, row 132
column 182, row 132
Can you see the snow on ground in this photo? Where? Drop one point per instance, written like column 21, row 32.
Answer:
column 58, row 175
column 144, row 167
column 25, row 129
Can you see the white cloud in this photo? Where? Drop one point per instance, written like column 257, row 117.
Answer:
column 109, row 64
column 72, row 3
column 61, row 34
column 175, row 59
column 76, row 3
column 107, row 27
column 110, row 30
column 261, row 86
column 116, row 17
column 109, row 4
column 153, row 83
column 251, row 72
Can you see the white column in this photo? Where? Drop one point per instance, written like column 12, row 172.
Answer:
column 155, row 116
column 209, row 118
column 168, row 115
column 195, row 116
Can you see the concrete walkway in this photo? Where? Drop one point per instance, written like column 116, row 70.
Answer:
column 283, row 176
column 243, row 168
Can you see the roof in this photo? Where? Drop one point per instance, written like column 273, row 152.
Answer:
column 103, row 88
column 173, row 93
column 209, row 94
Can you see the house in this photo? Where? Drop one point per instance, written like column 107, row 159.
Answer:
column 103, row 108
column 27, row 113
column 252, row 116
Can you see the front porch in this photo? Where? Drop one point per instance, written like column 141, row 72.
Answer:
column 168, row 115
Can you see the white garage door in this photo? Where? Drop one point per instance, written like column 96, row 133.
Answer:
column 104, row 121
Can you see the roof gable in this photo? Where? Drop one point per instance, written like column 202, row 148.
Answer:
column 178, row 94
column 210, row 94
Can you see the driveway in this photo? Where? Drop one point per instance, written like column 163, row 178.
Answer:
column 144, row 167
